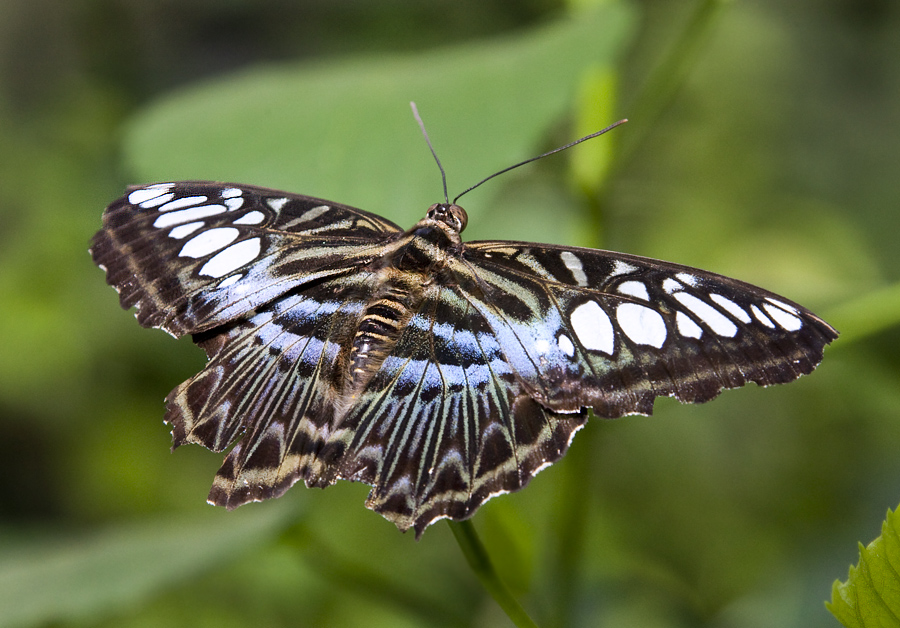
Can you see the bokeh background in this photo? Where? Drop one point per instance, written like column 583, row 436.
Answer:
column 763, row 144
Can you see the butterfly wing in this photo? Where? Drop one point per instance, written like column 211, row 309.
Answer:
column 612, row 331
column 192, row 255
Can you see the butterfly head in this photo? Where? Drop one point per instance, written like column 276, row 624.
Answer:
column 450, row 214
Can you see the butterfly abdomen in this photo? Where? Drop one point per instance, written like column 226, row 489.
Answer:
column 380, row 326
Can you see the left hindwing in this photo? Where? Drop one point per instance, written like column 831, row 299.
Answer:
column 591, row 328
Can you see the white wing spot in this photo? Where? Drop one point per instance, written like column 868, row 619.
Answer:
column 593, row 327
column 733, row 308
column 688, row 278
column 234, row 203
column 186, row 215
column 250, row 218
column 208, row 242
column 232, row 258
column 670, row 286
column 181, row 203
column 183, row 231
column 542, row 345
column 573, row 263
column 783, row 305
column 762, row 318
column 687, row 327
column 276, row 203
column 231, row 192
column 622, row 268
column 634, row 289
column 144, row 195
column 643, row 325
column 230, row 281
column 566, row 346
column 784, row 319
column 718, row 322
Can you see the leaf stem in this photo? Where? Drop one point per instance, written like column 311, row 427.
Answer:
column 568, row 556
column 664, row 82
column 479, row 561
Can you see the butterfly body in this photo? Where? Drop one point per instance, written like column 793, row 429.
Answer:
column 440, row 372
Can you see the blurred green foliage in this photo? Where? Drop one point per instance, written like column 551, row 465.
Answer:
column 766, row 148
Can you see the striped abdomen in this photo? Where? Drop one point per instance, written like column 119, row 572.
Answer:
column 379, row 328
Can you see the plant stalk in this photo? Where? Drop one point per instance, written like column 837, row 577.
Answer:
column 479, row 561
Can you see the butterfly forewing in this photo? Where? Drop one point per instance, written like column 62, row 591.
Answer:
column 613, row 331
column 438, row 372
column 192, row 255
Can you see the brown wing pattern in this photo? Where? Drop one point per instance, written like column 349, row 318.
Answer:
column 195, row 254
column 441, row 374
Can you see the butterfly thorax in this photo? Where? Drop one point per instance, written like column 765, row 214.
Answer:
column 428, row 244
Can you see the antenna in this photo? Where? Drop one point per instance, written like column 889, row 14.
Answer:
column 521, row 163
column 428, row 141
column 547, row 154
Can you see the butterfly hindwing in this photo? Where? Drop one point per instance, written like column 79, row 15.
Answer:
column 441, row 427
column 269, row 384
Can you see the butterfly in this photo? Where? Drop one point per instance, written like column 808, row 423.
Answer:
column 439, row 372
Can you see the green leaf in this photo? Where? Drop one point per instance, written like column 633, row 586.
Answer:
column 343, row 129
column 871, row 596
column 51, row 578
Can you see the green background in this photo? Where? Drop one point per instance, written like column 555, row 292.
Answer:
column 762, row 144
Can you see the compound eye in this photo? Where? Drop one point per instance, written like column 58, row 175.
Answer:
column 460, row 217
column 452, row 215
